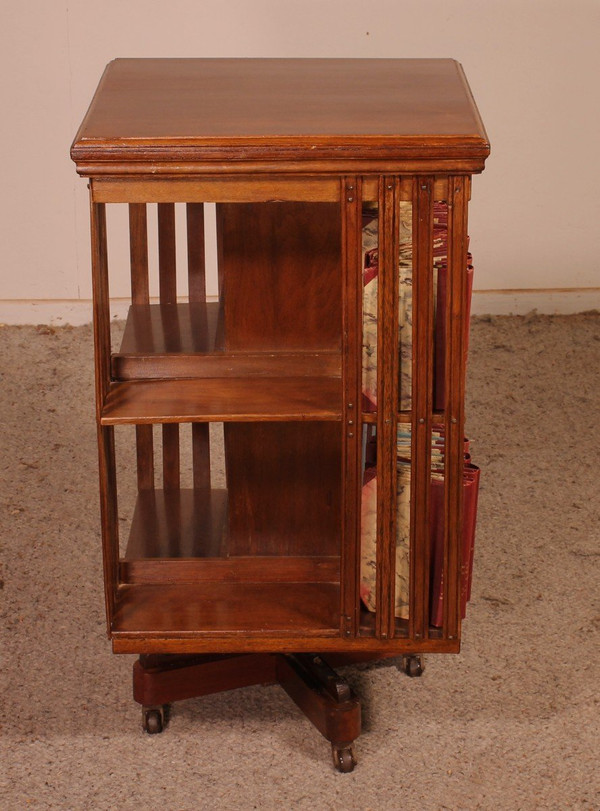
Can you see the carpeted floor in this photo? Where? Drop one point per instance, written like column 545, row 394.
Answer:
column 510, row 723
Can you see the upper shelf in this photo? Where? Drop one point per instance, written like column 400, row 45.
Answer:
column 192, row 116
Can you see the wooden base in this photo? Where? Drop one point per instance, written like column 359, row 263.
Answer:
column 323, row 696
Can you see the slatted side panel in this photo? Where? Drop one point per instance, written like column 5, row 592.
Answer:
column 106, row 447
column 454, row 398
column 168, row 295
column 197, row 293
column 387, row 398
column 351, row 196
column 140, row 294
column 422, row 402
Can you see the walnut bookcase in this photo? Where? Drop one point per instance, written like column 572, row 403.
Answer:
column 224, row 586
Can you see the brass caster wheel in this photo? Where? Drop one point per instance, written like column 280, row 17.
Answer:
column 343, row 758
column 412, row 666
column 154, row 719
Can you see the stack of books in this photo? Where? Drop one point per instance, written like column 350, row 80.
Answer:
column 471, row 473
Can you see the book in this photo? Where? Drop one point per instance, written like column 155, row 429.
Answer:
column 370, row 252
column 368, row 568
column 470, row 491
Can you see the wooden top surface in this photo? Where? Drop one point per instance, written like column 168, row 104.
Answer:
column 149, row 107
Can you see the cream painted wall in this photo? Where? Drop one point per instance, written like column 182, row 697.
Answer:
column 532, row 64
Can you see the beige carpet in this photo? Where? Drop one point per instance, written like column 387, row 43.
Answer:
column 510, row 723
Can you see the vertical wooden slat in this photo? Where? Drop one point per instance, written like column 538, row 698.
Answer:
column 166, row 253
column 387, row 408
column 201, row 455
column 422, row 402
column 138, row 251
column 140, row 294
column 101, row 303
column 109, row 518
column 196, row 253
column 168, row 295
column 351, row 196
column 170, row 435
column 197, row 293
column 456, row 305
column 106, row 455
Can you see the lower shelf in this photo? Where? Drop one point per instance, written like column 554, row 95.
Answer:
column 301, row 609
column 183, row 537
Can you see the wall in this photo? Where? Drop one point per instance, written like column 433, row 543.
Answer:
column 532, row 65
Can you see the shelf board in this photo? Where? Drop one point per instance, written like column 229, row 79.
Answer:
column 187, row 340
column 235, row 569
column 180, row 536
column 183, row 523
column 138, row 402
column 176, row 610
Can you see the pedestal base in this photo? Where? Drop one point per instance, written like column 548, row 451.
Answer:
column 323, row 696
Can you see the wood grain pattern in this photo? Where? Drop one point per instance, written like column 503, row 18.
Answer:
column 167, row 270
column 335, row 165
column 106, row 445
column 351, row 194
column 284, row 481
column 182, row 642
column 195, row 248
column 454, row 398
column 186, row 111
column 185, row 340
column 197, row 293
column 156, row 682
column 251, row 569
column 171, row 456
column 265, row 365
column 201, row 455
column 387, row 398
column 422, row 401
column 109, row 518
column 337, row 721
column 296, row 609
column 101, row 302
column 140, row 295
column 167, row 253
column 170, row 329
column 247, row 188
column 144, row 441
column 178, row 524
column 280, row 266
column 222, row 399
column 370, row 186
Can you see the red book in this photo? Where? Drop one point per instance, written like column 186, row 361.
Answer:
column 437, row 525
column 440, row 331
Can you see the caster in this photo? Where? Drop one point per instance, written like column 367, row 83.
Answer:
column 412, row 666
column 343, row 758
column 154, row 719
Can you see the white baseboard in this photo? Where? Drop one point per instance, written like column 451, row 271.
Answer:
column 548, row 302
column 54, row 312
column 59, row 312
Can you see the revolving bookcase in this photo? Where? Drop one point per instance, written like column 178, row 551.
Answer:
column 271, row 422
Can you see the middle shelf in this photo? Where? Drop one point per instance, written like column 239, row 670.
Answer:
column 222, row 400
column 174, row 366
